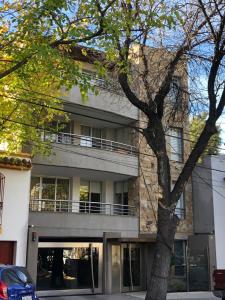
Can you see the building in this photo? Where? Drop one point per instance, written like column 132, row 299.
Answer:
column 208, row 208
column 91, row 221
column 15, row 172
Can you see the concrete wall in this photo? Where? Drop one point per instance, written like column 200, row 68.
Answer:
column 218, row 190
column 203, row 198
column 15, row 211
column 89, row 158
column 82, row 225
column 105, row 101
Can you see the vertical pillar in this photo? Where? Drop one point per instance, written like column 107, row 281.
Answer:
column 76, row 131
column 32, row 252
column 75, row 193
column 107, row 195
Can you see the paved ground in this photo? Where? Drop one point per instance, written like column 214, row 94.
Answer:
column 136, row 296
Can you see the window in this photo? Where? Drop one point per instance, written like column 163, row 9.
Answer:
column 174, row 94
column 175, row 140
column 90, row 196
column 178, row 269
column 121, row 197
column 180, row 208
column 179, row 259
column 51, row 188
column 91, row 137
column 50, row 193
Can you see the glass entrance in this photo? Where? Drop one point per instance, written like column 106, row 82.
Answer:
column 131, row 267
column 70, row 266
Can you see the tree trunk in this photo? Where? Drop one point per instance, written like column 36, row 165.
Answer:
column 157, row 286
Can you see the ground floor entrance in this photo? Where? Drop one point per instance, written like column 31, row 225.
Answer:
column 70, row 266
column 111, row 265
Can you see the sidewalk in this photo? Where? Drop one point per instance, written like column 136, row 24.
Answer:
column 136, row 296
column 173, row 296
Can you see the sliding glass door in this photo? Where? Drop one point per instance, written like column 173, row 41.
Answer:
column 70, row 266
column 131, row 267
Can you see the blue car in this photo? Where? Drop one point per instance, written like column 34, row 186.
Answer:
column 16, row 284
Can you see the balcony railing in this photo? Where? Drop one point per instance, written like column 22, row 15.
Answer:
column 90, row 142
column 86, row 207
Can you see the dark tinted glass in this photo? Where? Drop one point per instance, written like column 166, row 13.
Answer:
column 17, row 275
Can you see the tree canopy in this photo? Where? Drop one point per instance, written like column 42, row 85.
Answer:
column 34, row 62
column 197, row 124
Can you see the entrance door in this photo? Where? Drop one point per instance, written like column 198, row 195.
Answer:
column 76, row 267
column 6, row 252
column 131, row 267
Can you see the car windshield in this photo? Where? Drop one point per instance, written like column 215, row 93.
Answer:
column 16, row 275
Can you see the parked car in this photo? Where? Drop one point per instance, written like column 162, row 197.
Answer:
column 16, row 284
column 219, row 283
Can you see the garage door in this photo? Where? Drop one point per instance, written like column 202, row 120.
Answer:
column 6, row 252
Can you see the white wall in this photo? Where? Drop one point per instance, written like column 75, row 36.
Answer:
column 15, row 211
column 218, row 183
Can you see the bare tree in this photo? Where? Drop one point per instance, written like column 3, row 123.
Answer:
column 151, row 43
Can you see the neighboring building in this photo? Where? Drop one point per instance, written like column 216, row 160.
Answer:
column 208, row 243
column 15, row 172
column 91, row 222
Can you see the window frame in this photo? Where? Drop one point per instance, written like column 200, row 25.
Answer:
column 173, row 100
column 180, row 155
column 55, row 193
column 182, row 216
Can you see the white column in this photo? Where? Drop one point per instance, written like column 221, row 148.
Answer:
column 75, row 193
column 107, row 194
column 76, row 130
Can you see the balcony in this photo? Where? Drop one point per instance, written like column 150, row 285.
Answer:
column 109, row 102
column 86, row 207
column 90, row 142
column 62, row 218
column 74, row 153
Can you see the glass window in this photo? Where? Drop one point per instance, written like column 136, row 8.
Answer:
column 174, row 94
column 131, row 266
column 62, row 189
column 176, row 144
column 85, row 130
column 121, row 197
column 48, row 188
column 68, row 268
column 85, row 140
column 84, row 190
column 91, row 137
column 35, row 188
column 178, row 276
column 180, row 207
column 51, row 188
column 90, row 192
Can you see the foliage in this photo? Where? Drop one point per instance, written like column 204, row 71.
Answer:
column 196, row 126
column 34, row 62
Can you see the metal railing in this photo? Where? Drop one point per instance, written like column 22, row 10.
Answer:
column 90, row 142
column 46, row 205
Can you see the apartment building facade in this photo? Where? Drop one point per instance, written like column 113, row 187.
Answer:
column 91, row 222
